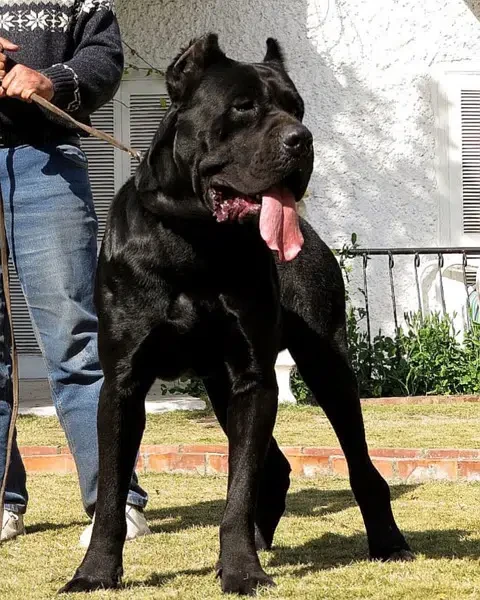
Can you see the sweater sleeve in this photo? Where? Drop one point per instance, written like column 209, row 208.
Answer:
column 92, row 76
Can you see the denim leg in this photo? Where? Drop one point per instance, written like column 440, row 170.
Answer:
column 52, row 231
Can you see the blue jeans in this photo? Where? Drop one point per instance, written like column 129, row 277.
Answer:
column 52, row 232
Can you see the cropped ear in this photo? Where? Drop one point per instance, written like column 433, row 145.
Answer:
column 158, row 170
column 274, row 52
column 164, row 189
column 188, row 67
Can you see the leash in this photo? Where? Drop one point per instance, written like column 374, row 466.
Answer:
column 101, row 135
column 13, row 352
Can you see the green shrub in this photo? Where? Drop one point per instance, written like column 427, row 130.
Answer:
column 424, row 358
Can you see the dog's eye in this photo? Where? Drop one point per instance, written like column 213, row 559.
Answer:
column 244, row 105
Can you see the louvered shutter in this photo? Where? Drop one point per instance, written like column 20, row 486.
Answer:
column 457, row 126
column 102, row 163
column 470, row 133
column 458, row 129
column 146, row 111
column 143, row 105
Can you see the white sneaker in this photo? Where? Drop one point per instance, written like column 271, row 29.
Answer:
column 136, row 526
column 12, row 526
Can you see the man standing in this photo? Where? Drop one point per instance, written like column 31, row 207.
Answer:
column 69, row 52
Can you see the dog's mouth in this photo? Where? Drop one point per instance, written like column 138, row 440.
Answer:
column 231, row 205
column 276, row 206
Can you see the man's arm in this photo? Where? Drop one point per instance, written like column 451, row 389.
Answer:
column 92, row 76
column 86, row 81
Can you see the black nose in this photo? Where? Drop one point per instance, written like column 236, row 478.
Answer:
column 297, row 139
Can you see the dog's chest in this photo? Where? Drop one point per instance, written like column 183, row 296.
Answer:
column 209, row 312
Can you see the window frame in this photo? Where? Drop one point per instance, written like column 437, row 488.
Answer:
column 448, row 81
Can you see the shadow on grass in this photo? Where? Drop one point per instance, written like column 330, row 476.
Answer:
column 334, row 550
column 41, row 527
column 308, row 502
column 160, row 579
column 328, row 552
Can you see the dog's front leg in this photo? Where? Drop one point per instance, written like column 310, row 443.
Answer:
column 250, row 421
column 121, row 421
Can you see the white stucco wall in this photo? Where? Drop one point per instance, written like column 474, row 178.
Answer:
column 363, row 68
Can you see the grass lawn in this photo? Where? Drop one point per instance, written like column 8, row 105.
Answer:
column 407, row 426
column 320, row 546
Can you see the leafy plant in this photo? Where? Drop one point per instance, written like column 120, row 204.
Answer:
column 425, row 357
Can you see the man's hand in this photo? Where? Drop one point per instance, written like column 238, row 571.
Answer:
column 5, row 45
column 21, row 82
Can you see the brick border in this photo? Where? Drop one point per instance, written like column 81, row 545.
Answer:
column 416, row 400
column 395, row 464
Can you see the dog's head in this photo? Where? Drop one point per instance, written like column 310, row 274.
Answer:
column 232, row 144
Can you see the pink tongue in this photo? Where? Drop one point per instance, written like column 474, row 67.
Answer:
column 279, row 223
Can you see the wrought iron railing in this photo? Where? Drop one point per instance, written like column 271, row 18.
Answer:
column 366, row 254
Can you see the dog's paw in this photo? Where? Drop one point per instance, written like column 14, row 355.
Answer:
column 245, row 582
column 394, row 555
column 84, row 583
column 400, row 555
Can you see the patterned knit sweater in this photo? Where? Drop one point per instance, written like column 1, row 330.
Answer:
column 77, row 44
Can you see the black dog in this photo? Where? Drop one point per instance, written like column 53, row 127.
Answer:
column 186, row 284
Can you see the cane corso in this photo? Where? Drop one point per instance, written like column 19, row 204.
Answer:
column 206, row 269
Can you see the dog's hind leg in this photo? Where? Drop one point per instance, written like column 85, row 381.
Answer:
column 121, row 421
column 324, row 365
column 275, row 477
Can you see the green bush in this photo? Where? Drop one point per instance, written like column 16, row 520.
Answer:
column 424, row 358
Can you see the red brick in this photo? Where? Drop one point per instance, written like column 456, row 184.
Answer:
column 60, row 464
column 417, row 400
column 217, row 464
column 204, row 448
column 140, row 466
column 187, row 463
column 395, row 453
column 385, row 466
column 322, row 452
column 296, row 464
column 425, row 469
column 313, row 466
column 291, row 450
column 39, row 450
column 339, row 466
column 160, row 463
column 176, row 463
column 160, row 449
column 469, row 470
column 453, row 454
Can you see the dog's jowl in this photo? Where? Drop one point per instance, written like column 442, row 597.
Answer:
column 206, row 269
